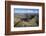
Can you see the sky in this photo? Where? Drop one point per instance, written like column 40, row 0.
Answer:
column 23, row 10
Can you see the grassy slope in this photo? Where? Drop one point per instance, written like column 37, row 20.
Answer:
column 19, row 23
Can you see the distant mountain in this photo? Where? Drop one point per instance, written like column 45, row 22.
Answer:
column 23, row 15
column 26, row 13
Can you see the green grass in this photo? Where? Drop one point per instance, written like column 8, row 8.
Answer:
column 20, row 23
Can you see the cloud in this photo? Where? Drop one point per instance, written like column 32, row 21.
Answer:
column 22, row 10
